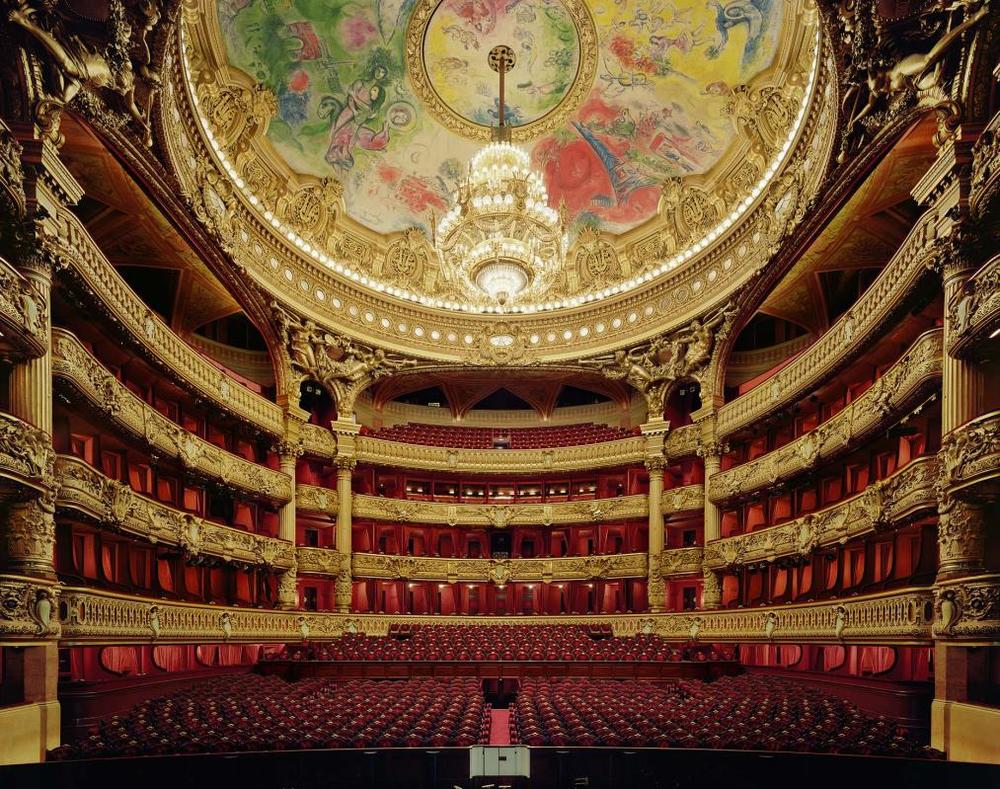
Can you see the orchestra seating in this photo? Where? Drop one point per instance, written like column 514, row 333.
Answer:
column 256, row 713
column 507, row 438
column 747, row 712
column 501, row 642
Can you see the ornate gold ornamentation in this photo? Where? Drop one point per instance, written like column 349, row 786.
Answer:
column 28, row 608
column 93, row 274
column 909, row 491
column 902, row 385
column 683, row 499
column 85, row 490
column 344, row 367
column 883, row 82
column 583, row 457
column 870, row 317
column 72, row 363
column 653, row 366
column 968, row 608
column 26, row 453
column 680, row 561
column 496, row 571
column 477, row 515
column 902, row 616
column 420, row 81
column 97, row 71
column 970, row 455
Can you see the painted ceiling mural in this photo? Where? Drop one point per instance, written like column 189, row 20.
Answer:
column 654, row 109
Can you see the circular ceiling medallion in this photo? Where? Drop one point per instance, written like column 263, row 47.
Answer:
column 555, row 46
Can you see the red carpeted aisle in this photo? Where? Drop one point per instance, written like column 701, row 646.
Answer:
column 499, row 727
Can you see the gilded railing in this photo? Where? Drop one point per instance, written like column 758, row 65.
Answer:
column 313, row 498
column 74, row 364
column 158, row 342
column 115, row 504
column 902, row 616
column 24, row 319
column 682, row 442
column 880, row 506
column 970, row 455
column 501, row 515
column 902, row 385
column 26, row 454
column 683, row 499
column 498, row 571
column 606, row 454
column 974, row 310
column 850, row 336
column 681, row 561
column 318, row 441
column 986, row 167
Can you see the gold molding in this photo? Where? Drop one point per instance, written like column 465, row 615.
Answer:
column 851, row 335
column 498, row 571
column 880, row 506
column 115, row 504
column 970, row 457
column 349, row 308
column 683, row 499
column 84, row 260
column 423, row 89
column 675, row 562
column 587, row 457
column 24, row 315
column 73, row 363
column 26, row 455
column 501, row 515
column 968, row 608
column 910, row 378
column 902, row 616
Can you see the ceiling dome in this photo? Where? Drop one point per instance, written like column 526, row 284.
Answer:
column 344, row 132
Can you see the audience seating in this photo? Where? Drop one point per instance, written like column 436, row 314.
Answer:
column 501, row 642
column 748, row 712
column 256, row 713
column 509, row 438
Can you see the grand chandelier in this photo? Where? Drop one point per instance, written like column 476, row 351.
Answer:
column 501, row 239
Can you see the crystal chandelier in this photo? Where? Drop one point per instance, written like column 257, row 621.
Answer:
column 500, row 238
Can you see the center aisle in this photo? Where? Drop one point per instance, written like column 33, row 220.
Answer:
column 499, row 727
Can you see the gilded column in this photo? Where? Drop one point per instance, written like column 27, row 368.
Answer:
column 345, row 468
column 711, row 453
column 655, row 589
column 28, row 535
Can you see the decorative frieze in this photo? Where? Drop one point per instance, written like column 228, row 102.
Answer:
column 902, row 385
column 606, row 454
column 869, row 318
column 970, row 456
column 986, row 167
column 26, row 454
column 24, row 315
column 28, row 608
column 880, row 506
column 499, row 571
column 684, row 499
column 116, row 505
column 974, row 310
column 903, row 616
column 682, row 442
column 74, row 364
column 105, row 288
column 968, row 608
column 318, row 441
column 499, row 516
column 681, row 561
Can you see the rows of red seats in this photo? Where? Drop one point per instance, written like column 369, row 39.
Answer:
column 501, row 642
column 512, row 438
column 748, row 712
column 255, row 713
